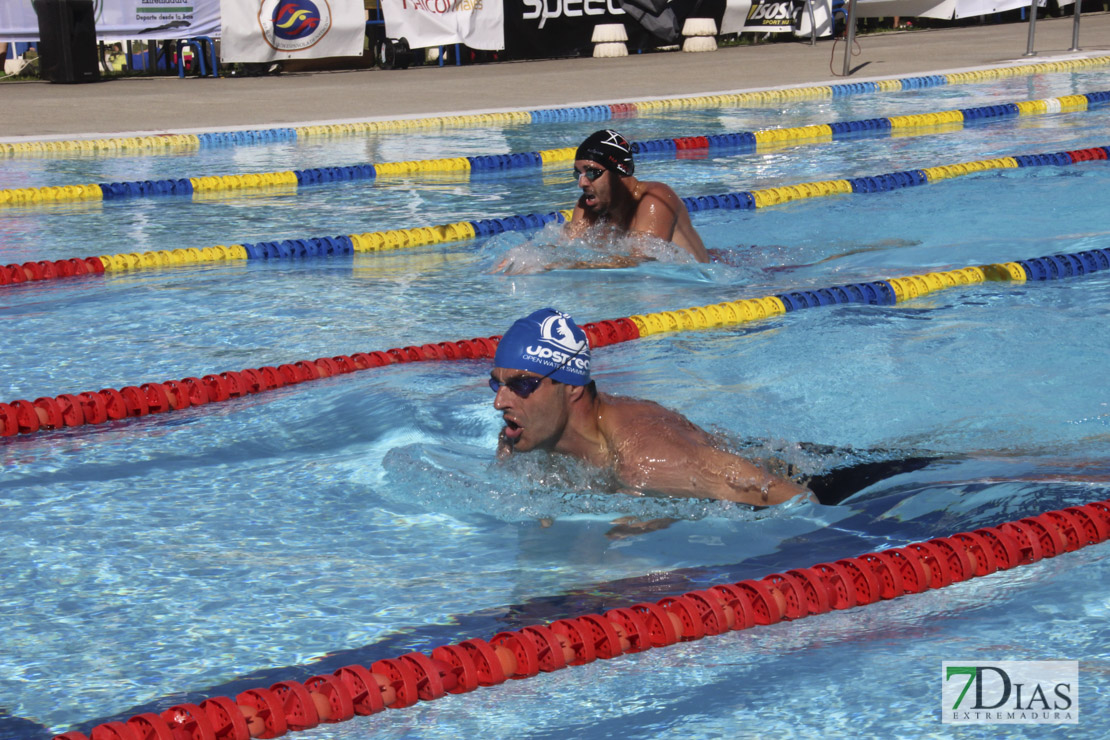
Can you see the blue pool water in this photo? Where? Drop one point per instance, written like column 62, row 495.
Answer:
column 356, row 518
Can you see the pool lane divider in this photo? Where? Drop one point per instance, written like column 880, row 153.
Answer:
column 402, row 681
column 683, row 146
column 172, row 143
column 110, row 404
column 376, row 241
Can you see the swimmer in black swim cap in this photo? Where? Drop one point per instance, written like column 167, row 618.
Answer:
column 548, row 401
column 611, row 195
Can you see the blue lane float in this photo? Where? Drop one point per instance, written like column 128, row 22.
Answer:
column 255, row 136
column 335, row 174
column 327, row 246
column 875, row 293
column 1059, row 266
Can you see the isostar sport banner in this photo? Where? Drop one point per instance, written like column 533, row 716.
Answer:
column 123, row 19
column 480, row 24
column 272, row 30
column 760, row 16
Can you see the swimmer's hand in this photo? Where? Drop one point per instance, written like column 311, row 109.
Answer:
column 524, row 260
column 504, row 446
column 615, row 261
column 508, row 266
column 628, row 526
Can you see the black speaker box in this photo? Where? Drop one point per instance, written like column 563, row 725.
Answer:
column 67, row 40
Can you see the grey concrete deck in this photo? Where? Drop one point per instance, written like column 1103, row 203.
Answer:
column 40, row 110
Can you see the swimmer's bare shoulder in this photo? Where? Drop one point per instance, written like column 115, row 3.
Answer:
column 658, row 451
column 624, row 417
column 660, row 212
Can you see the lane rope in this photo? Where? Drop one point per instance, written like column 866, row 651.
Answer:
column 405, row 238
column 110, row 404
column 173, row 143
column 681, row 147
column 402, row 681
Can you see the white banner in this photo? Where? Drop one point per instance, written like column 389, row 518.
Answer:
column 123, row 19
column 945, row 9
column 821, row 20
column 271, row 30
column 763, row 16
column 480, row 24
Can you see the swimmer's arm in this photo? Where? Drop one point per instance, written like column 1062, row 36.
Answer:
column 655, row 215
column 612, row 261
column 661, row 214
column 507, row 266
column 661, row 467
column 577, row 225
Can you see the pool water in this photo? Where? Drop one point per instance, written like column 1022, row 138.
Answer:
column 355, row 518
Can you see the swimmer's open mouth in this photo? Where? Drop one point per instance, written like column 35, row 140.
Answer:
column 513, row 430
column 589, row 199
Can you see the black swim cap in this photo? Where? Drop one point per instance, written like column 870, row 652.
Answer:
column 609, row 149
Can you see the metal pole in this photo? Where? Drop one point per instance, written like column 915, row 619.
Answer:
column 850, row 35
column 1075, row 26
column 1032, row 28
column 812, row 24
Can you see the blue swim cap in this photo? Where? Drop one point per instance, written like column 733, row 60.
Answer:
column 547, row 342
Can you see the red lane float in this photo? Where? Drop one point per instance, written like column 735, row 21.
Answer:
column 623, row 110
column 110, row 404
column 401, row 682
column 50, row 270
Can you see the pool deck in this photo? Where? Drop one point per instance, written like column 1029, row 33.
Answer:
column 41, row 110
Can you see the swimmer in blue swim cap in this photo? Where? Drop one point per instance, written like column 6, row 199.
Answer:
column 612, row 196
column 548, row 401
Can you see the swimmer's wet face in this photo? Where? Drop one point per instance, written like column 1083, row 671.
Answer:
column 534, row 419
column 597, row 189
column 541, row 363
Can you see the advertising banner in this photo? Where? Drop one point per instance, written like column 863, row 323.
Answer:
column 536, row 29
column 768, row 16
column 480, row 24
column 273, row 30
column 123, row 19
column 553, row 28
column 944, row 9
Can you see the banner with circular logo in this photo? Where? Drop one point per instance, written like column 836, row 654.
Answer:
column 272, row 30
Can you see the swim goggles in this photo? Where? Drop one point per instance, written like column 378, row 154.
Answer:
column 523, row 386
column 526, row 385
column 591, row 173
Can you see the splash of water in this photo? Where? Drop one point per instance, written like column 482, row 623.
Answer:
column 599, row 247
column 445, row 477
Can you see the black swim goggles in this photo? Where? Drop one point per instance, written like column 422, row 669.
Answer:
column 523, row 386
column 526, row 385
column 591, row 173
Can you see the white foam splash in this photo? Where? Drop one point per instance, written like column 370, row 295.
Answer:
column 528, row 487
column 600, row 247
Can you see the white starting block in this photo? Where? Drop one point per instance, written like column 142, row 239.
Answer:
column 609, row 40
column 700, row 34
